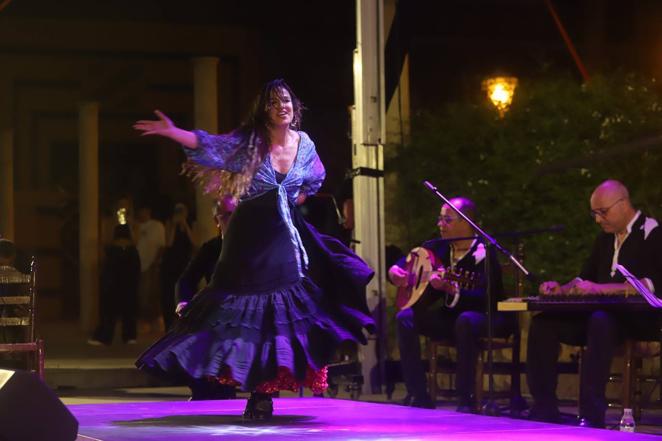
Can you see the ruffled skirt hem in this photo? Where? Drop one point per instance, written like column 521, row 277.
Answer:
column 258, row 316
column 316, row 381
column 269, row 340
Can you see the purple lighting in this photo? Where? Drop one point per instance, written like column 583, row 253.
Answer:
column 313, row 419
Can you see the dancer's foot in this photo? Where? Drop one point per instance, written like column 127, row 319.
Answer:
column 259, row 407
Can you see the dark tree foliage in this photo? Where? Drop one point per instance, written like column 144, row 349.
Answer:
column 537, row 166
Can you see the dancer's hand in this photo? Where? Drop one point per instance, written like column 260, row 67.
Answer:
column 163, row 126
column 180, row 308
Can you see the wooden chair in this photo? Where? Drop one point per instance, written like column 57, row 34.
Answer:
column 634, row 352
column 630, row 376
column 433, row 347
column 512, row 342
column 17, row 311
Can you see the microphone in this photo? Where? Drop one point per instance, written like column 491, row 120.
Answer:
column 429, row 186
column 534, row 279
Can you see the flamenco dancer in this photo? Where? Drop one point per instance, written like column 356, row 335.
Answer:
column 283, row 296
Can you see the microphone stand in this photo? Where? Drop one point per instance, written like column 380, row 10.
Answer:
column 490, row 407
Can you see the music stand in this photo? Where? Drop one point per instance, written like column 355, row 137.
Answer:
column 642, row 289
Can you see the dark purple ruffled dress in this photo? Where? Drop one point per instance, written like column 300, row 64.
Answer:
column 282, row 298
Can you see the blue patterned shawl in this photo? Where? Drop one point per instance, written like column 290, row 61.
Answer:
column 229, row 152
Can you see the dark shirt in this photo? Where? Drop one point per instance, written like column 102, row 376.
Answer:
column 120, row 273
column 473, row 299
column 640, row 253
column 201, row 265
column 280, row 177
column 176, row 256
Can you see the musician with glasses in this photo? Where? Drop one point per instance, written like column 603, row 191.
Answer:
column 439, row 316
column 631, row 239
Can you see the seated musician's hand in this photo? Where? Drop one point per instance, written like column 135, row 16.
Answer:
column 585, row 287
column 437, row 281
column 550, row 287
column 397, row 276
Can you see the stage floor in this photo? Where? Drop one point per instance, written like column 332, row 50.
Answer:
column 312, row 419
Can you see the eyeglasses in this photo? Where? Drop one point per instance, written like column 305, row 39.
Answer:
column 602, row 212
column 447, row 219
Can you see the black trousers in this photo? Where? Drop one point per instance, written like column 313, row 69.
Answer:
column 464, row 327
column 113, row 306
column 169, row 279
column 601, row 332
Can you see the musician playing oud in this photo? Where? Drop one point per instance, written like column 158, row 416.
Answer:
column 631, row 239
column 439, row 315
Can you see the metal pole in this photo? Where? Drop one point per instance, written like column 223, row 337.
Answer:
column 368, row 137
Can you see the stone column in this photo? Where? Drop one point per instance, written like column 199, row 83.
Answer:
column 205, row 86
column 7, row 184
column 88, row 205
column 368, row 139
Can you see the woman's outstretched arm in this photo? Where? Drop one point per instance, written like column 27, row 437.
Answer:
column 204, row 149
column 164, row 127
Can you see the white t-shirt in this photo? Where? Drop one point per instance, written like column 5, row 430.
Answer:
column 151, row 238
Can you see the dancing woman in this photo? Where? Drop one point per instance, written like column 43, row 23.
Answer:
column 283, row 296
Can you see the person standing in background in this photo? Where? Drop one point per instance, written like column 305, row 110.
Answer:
column 120, row 276
column 200, row 267
column 177, row 253
column 150, row 242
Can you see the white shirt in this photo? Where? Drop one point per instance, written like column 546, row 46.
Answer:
column 151, row 238
column 617, row 245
